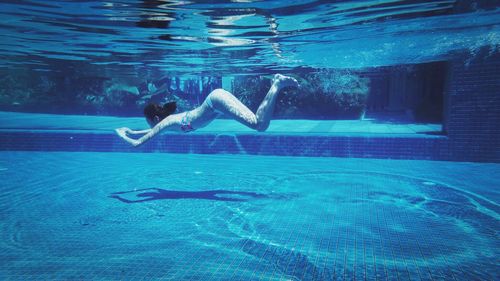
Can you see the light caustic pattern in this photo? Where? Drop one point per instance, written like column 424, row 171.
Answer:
column 185, row 217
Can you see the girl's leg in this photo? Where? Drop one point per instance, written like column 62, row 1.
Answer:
column 228, row 104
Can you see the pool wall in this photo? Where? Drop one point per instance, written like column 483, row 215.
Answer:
column 356, row 145
column 472, row 108
column 471, row 130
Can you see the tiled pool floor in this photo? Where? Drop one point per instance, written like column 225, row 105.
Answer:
column 159, row 216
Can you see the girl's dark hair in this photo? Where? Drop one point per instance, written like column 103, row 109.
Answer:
column 151, row 110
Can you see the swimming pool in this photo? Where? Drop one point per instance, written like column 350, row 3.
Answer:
column 129, row 216
column 383, row 163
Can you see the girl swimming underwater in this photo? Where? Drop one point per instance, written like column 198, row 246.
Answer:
column 218, row 101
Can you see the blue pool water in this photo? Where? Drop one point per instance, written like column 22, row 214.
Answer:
column 392, row 86
column 235, row 37
column 135, row 216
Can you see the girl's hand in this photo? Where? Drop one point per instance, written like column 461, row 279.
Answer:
column 122, row 130
column 122, row 133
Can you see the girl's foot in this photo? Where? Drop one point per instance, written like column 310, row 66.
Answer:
column 283, row 81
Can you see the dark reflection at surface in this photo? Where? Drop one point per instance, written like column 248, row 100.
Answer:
column 157, row 19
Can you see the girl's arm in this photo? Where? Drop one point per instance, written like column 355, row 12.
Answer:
column 141, row 132
column 164, row 124
column 128, row 131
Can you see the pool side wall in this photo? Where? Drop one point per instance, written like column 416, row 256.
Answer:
column 471, row 125
column 472, row 108
column 360, row 146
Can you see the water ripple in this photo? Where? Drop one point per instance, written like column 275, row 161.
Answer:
column 270, row 35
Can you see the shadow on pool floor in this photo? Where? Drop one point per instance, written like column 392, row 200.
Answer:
column 153, row 194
